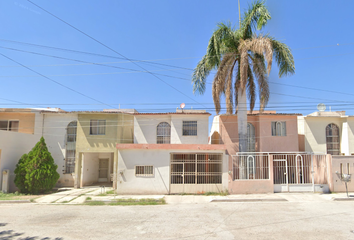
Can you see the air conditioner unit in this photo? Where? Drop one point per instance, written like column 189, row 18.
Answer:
column 5, row 180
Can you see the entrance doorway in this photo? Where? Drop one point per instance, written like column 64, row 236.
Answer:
column 103, row 170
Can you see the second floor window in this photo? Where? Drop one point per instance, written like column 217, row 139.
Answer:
column 189, row 128
column 163, row 134
column 278, row 128
column 97, row 127
column 9, row 125
column 70, row 147
column 332, row 139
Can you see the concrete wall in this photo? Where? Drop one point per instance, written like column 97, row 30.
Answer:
column 145, row 128
column 54, row 133
column 339, row 186
column 159, row 183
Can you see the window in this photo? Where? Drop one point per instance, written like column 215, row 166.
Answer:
column 278, row 128
column 70, row 147
column 163, row 134
column 9, row 125
column 332, row 139
column 97, row 127
column 251, row 138
column 144, row 171
column 189, row 128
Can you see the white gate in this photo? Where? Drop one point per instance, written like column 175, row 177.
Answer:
column 293, row 172
column 196, row 173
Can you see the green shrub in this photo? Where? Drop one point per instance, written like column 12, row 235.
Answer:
column 36, row 171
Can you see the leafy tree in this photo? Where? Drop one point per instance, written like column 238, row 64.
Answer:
column 36, row 171
column 246, row 56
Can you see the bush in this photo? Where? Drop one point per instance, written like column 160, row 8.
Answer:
column 36, row 171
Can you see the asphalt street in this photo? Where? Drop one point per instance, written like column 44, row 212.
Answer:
column 301, row 217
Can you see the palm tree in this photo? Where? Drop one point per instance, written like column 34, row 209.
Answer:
column 240, row 56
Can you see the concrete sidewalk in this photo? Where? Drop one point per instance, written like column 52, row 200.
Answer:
column 70, row 195
column 79, row 196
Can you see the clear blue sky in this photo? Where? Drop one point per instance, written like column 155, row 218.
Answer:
column 173, row 33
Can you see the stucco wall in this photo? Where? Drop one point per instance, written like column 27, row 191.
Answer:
column 54, row 133
column 119, row 129
column 269, row 143
column 159, row 183
column 13, row 145
column 90, row 169
column 26, row 120
column 265, row 142
column 339, row 186
column 145, row 128
column 351, row 135
column 315, row 132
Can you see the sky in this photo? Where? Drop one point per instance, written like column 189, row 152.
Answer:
column 164, row 41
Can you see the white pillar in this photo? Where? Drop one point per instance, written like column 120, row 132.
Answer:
column 344, row 143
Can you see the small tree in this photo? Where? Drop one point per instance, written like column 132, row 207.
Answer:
column 36, row 171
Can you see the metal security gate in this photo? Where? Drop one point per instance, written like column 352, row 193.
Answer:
column 292, row 173
column 196, row 173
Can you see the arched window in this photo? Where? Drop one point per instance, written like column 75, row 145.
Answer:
column 332, row 139
column 163, row 133
column 251, row 138
column 70, row 147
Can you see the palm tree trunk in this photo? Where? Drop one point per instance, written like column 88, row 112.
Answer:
column 242, row 120
column 242, row 130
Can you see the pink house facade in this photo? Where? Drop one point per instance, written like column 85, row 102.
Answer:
column 273, row 161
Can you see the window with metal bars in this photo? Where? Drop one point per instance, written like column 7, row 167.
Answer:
column 189, row 128
column 163, row 135
column 144, row 171
column 70, row 147
column 332, row 139
column 97, row 127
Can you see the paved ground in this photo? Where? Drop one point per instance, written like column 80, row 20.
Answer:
column 301, row 216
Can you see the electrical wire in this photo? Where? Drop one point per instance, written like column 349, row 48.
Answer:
column 106, row 46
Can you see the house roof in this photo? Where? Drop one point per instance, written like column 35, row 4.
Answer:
column 266, row 114
column 175, row 113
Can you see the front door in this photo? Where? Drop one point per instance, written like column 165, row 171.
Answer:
column 103, row 170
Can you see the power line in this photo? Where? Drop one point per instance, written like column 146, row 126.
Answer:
column 92, row 63
column 185, row 79
column 56, row 82
column 99, row 42
column 102, row 55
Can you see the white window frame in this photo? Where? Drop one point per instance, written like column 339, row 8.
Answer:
column 140, row 170
column 190, row 130
column 97, row 130
column 70, row 153
column 165, row 128
column 8, row 125
column 278, row 129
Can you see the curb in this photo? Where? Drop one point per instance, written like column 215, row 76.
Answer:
column 15, row 201
column 343, row 199
column 249, row 200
